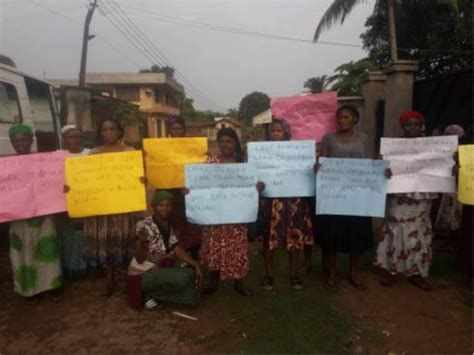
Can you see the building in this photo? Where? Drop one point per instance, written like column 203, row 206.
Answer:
column 156, row 94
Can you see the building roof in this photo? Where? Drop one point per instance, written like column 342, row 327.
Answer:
column 228, row 119
column 123, row 79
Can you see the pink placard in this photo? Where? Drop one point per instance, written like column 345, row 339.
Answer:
column 32, row 185
column 310, row 116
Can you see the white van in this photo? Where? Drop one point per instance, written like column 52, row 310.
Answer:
column 24, row 98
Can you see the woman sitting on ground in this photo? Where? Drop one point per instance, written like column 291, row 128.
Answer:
column 155, row 257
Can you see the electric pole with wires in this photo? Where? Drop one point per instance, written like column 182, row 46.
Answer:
column 85, row 41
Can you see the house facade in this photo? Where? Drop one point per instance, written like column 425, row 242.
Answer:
column 156, row 95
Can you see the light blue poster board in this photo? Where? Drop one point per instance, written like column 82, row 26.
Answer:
column 351, row 187
column 286, row 168
column 221, row 193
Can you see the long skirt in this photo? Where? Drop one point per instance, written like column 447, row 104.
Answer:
column 405, row 241
column 71, row 235
column 35, row 256
column 224, row 248
column 110, row 240
column 345, row 234
column 171, row 285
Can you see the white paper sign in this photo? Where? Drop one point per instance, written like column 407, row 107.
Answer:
column 420, row 164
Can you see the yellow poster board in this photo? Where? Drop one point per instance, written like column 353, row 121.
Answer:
column 165, row 159
column 105, row 184
column 466, row 174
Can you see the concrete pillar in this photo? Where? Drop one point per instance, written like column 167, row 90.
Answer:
column 373, row 92
column 398, row 94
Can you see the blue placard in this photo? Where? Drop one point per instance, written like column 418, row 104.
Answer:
column 351, row 187
column 221, row 193
column 286, row 168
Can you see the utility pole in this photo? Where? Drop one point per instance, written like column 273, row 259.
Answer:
column 85, row 41
column 392, row 31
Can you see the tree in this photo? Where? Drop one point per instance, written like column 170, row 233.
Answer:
column 437, row 34
column 190, row 113
column 169, row 71
column 128, row 115
column 347, row 78
column 7, row 60
column 253, row 104
column 232, row 112
column 316, row 84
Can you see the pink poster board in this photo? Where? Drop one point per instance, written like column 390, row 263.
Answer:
column 32, row 185
column 310, row 116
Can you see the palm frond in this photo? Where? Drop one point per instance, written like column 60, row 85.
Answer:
column 336, row 12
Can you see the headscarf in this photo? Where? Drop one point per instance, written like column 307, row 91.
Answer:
column 159, row 196
column 454, row 130
column 286, row 128
column 230, row 132
column 68, row 128
column 20, row 128
column 411, row 114
column 179, row 120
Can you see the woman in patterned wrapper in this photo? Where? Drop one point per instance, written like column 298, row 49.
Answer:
column 285, row 221
column 34, row 245
column 405, row 241
column 224, row 248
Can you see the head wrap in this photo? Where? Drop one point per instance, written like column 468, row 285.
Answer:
column 178, row 120
column 160, row 196
column 454, row 130
column 68, row 128
column 20, row 128
column 411, row 114
column 286, row 128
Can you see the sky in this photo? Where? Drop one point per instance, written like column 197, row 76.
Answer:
column 217, row 68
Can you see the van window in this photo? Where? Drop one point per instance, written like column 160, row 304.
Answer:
column 9, row 104
column 43, row 114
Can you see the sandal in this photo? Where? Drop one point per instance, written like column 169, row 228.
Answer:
column 296, row 283
column 358, row 285
column 151, row 305
column 268, row 283
column 420, row 282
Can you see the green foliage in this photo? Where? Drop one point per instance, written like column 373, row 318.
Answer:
column 128, row 115
column 232, row 112
column 436, row 33
column 169, row 71
column 253, row 104
column 316, row 84
column 7, row 60
column 190, row 113
column 347, row 78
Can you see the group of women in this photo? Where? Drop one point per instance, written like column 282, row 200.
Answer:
column 165, row 253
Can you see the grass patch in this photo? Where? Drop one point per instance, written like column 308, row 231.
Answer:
column 283, row 320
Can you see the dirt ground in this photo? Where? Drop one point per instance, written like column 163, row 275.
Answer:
column 406, row 319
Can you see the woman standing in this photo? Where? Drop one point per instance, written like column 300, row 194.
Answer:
column 284, row 220
column 224, row 248
column 156, row 252
column 71, row 231
column 34, row 246
column 344, row 234
column 109, row 239
column 405, row 242
column 188, row 234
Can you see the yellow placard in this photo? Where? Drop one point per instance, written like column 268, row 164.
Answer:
column 466, row 174
column 165, row 159
column 104, row 184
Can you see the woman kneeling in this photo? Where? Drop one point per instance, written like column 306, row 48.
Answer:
column 155, row 256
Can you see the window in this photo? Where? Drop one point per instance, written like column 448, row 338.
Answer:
column 128, row 93
column 9, row 104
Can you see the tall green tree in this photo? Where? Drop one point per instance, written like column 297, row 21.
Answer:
column 316, row 84
column 253, row 104
column 438, row 34
column 128, row 114
column 346, row 81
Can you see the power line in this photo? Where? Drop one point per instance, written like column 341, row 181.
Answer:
column 131, row 31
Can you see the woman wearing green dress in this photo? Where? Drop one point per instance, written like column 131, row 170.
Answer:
column 34, row 245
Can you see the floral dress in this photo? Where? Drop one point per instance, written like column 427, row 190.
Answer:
column 224, row 247
column 405, row 241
